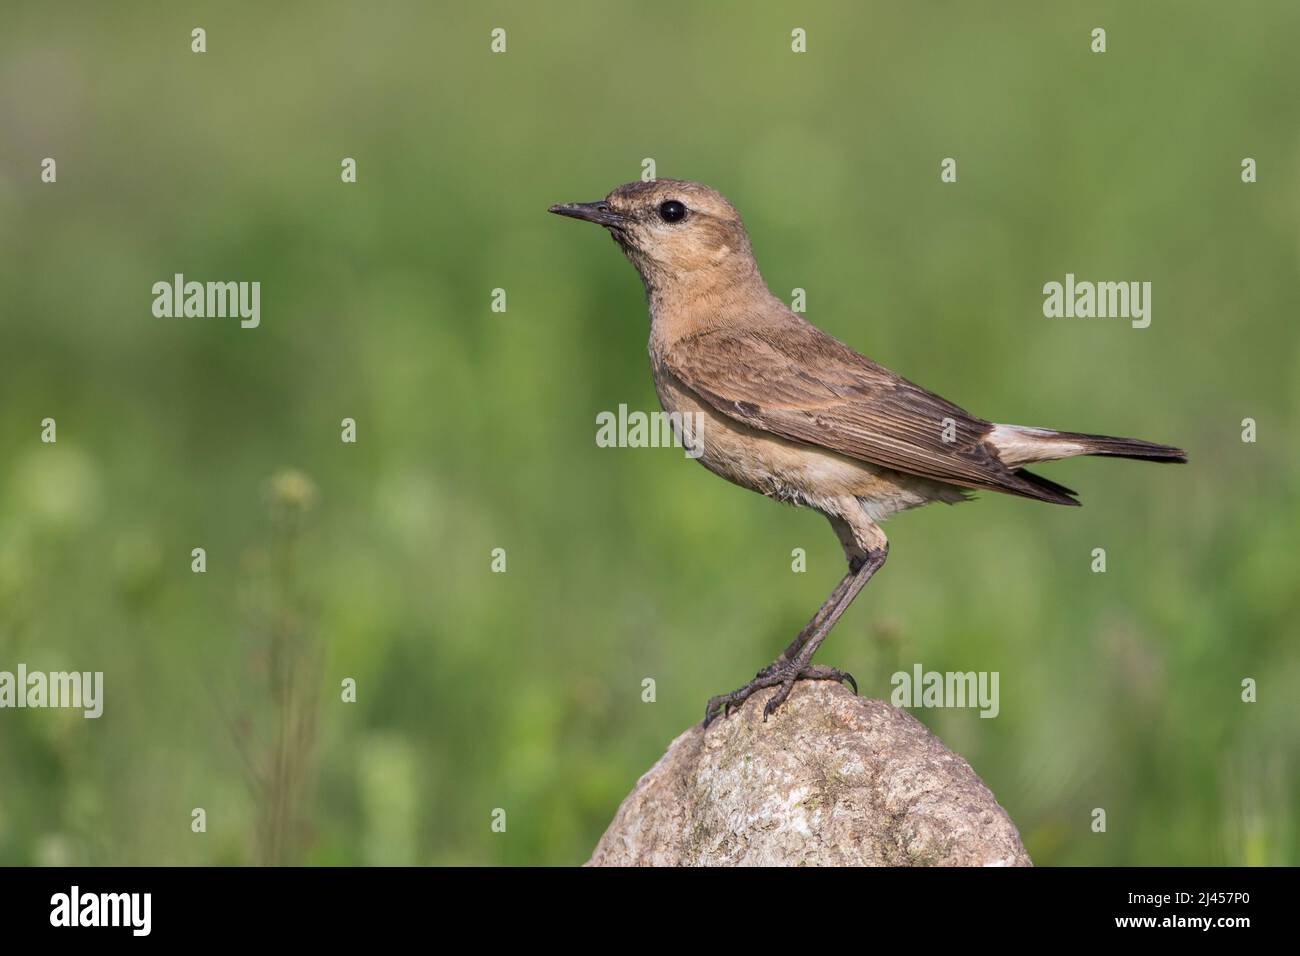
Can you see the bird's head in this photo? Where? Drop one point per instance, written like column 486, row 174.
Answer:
column 671, row 230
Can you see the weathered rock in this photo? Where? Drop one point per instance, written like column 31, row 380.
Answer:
column 831, row 779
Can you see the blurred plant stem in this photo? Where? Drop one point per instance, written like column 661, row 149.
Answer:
column 285, row 657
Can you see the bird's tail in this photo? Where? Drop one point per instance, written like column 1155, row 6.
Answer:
column 1018, row 445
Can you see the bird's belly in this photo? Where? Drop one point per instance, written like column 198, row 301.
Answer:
column 790, row 471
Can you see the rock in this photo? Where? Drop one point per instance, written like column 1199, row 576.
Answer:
column 831, row 779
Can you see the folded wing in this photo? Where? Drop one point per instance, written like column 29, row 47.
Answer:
column 795, row 381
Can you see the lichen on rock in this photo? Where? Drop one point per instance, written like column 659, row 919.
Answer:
column 830, row 779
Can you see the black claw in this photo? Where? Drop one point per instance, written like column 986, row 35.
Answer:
column 711, row 714
column 723, row 705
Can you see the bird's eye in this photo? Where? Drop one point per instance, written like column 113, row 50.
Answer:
column 672, row 211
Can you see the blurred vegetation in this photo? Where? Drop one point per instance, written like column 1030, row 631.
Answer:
column 522, row 690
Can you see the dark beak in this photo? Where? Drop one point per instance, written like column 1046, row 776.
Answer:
column 598, row 212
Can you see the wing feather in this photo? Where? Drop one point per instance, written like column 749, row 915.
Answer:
column 795, row 381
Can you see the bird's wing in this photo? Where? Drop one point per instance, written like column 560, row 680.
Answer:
column 795, row 381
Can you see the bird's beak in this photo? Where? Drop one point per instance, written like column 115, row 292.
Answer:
column 598, row 212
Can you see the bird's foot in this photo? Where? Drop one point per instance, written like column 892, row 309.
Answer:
column 780, row 674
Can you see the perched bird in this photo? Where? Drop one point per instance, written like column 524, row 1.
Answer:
column 790, row 412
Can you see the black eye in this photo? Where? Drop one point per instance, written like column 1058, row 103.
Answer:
column 672, row 211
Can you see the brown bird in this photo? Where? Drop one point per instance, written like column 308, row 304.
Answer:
column 790, row 412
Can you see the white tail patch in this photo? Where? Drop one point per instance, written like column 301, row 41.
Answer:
column 1020, row 445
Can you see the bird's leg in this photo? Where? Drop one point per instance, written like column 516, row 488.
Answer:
column 855, row 555
column 795, row 662
column 791, row 652
column 801, row 667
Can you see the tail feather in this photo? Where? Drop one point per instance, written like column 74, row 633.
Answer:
column 1044, row 489
column 1019, row 445
column 1126, row 447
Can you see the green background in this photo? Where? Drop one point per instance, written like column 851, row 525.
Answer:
column 522, row 690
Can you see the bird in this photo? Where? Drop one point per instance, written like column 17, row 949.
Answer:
column 771, row 403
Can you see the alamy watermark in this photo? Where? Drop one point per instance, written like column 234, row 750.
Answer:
column 1100, row 300
column 74, row 689
column 638, row 429
column 75, row 908
column 208, row 300
column 922, row 688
